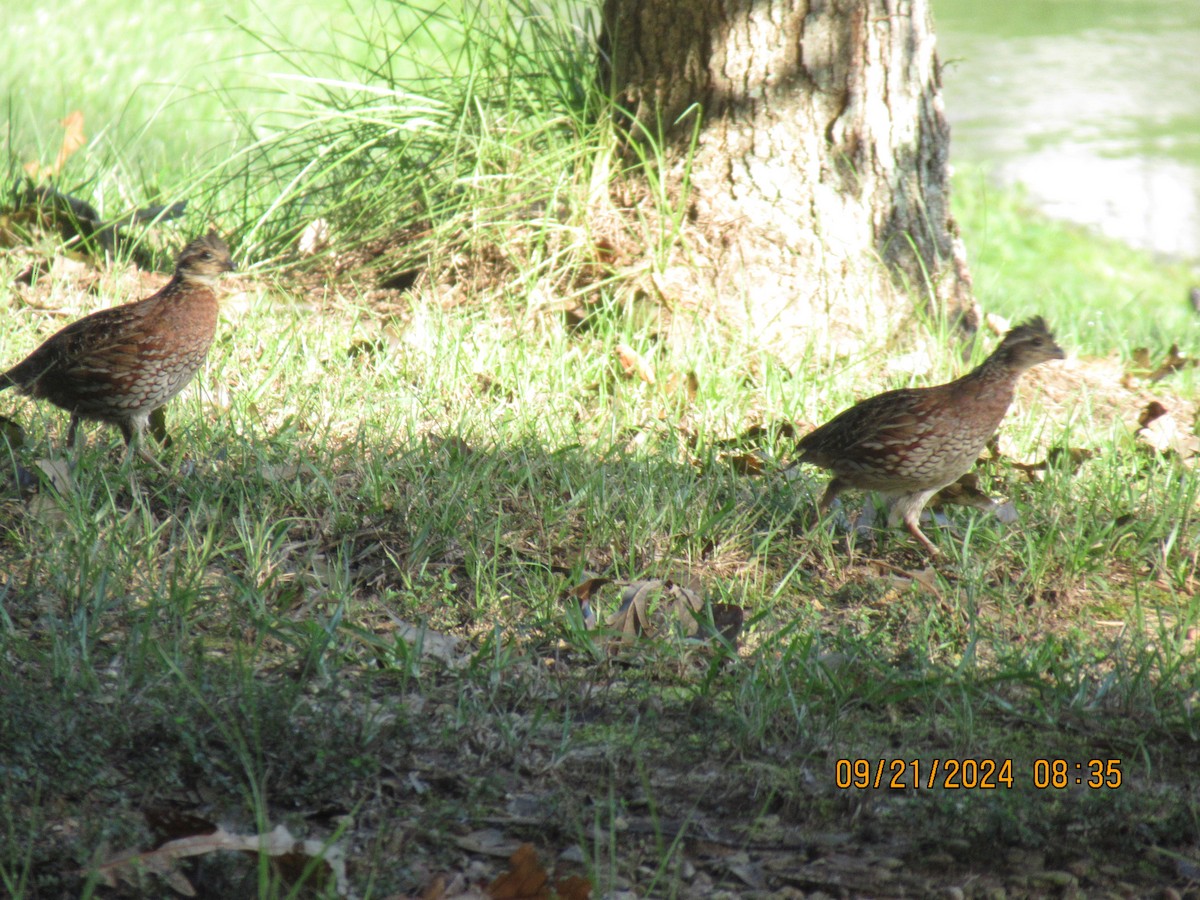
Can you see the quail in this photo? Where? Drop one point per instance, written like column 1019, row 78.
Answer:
column 121, row 365
column 910, row 443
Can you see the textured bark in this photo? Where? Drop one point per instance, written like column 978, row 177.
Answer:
column 822, row 151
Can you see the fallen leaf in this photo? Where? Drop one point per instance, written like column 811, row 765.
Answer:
column 169, row 823
column 281, row 472
column 1174, row 362
column 757, row 434
column 1159, row 431
column 573, row 887
column 640, row 616
column 314, row 238
column 752, row 463
column 1153, row 410
column 926, row 578
column 53, row 483
column 527, row 880
column 1069, row 458
column 58, row 473
column 126, row 867
column 73, row 139
column 1142, row 364
column 585, row 590
column 632, row 363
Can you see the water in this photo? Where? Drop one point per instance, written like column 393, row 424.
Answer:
column 1092, row 105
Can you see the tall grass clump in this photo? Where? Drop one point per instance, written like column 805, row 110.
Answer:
column 444, row 126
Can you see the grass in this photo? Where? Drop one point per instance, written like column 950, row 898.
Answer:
column 155, row 86
column 1104, row 296
column 235, row 644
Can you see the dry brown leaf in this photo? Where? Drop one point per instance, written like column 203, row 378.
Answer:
column 585, row 590
column 573, row 887
column 1153, row 410
column 127, row 867
column 169, row 822
column 926, row 577
column 1056, row 458
column 756, row 434
column 73, row 139
column 55, row 483
column 1139, row 363
column 633, row 617
column 583, row 593
column 280, row 472
column 488, row 842
column 1173, row 362
column 526, row 880
column 1142, row 365
column 653, row 606
column 752, row 463
column 650, row 606
column 58, row 472
column 1164, row 436
column 1159, row 431
column 632, row 363
column 436, row 889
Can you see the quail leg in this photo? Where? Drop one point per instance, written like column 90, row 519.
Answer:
column 834, row 488
column 134, row 430
column 908, row 508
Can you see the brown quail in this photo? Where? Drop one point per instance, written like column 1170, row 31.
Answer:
column 121, row 365
column 910, row 443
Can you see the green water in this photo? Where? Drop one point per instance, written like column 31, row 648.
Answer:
column 1092, row 105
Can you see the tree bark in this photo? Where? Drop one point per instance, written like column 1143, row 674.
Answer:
column 816, row 184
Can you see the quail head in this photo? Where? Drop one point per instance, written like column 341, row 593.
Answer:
column 122, row 364
column 910, row 443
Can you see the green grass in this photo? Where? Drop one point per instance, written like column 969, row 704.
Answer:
column 230, row 642
column 1101, row 295
column 162, row 90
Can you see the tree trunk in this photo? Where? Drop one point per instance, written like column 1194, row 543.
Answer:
column 821, row 152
